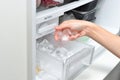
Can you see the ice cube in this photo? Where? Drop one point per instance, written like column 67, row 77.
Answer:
column 45, row 45
column 60, row 53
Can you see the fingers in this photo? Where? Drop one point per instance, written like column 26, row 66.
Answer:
column 72, row 34
column 74, row 37
column 80, row 34
column 56, row 36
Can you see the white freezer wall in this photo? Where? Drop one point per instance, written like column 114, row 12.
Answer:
column 108, row 15
column 13, row 58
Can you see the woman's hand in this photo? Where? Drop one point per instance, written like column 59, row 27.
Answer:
column 76, row 27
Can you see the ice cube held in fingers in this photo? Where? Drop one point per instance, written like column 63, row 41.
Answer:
column 63, row 35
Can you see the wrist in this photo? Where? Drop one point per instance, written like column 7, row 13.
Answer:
column 90, row 29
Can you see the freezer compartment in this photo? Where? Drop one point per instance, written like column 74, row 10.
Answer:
column 47, row 26
column 62, row 60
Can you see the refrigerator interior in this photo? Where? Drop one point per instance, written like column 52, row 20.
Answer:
column 107, row 15
column 47, row 4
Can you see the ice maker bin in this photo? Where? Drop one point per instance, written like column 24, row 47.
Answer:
column 62, row 61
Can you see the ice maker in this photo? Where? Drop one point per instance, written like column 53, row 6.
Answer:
column 61, row 60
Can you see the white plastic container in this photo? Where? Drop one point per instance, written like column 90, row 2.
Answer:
column 63, row 61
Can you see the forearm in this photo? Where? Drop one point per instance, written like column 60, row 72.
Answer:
column 105, row 38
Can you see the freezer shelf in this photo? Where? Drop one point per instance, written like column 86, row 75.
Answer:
column 54, row 12
column 62, row 60
column 46, row 27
